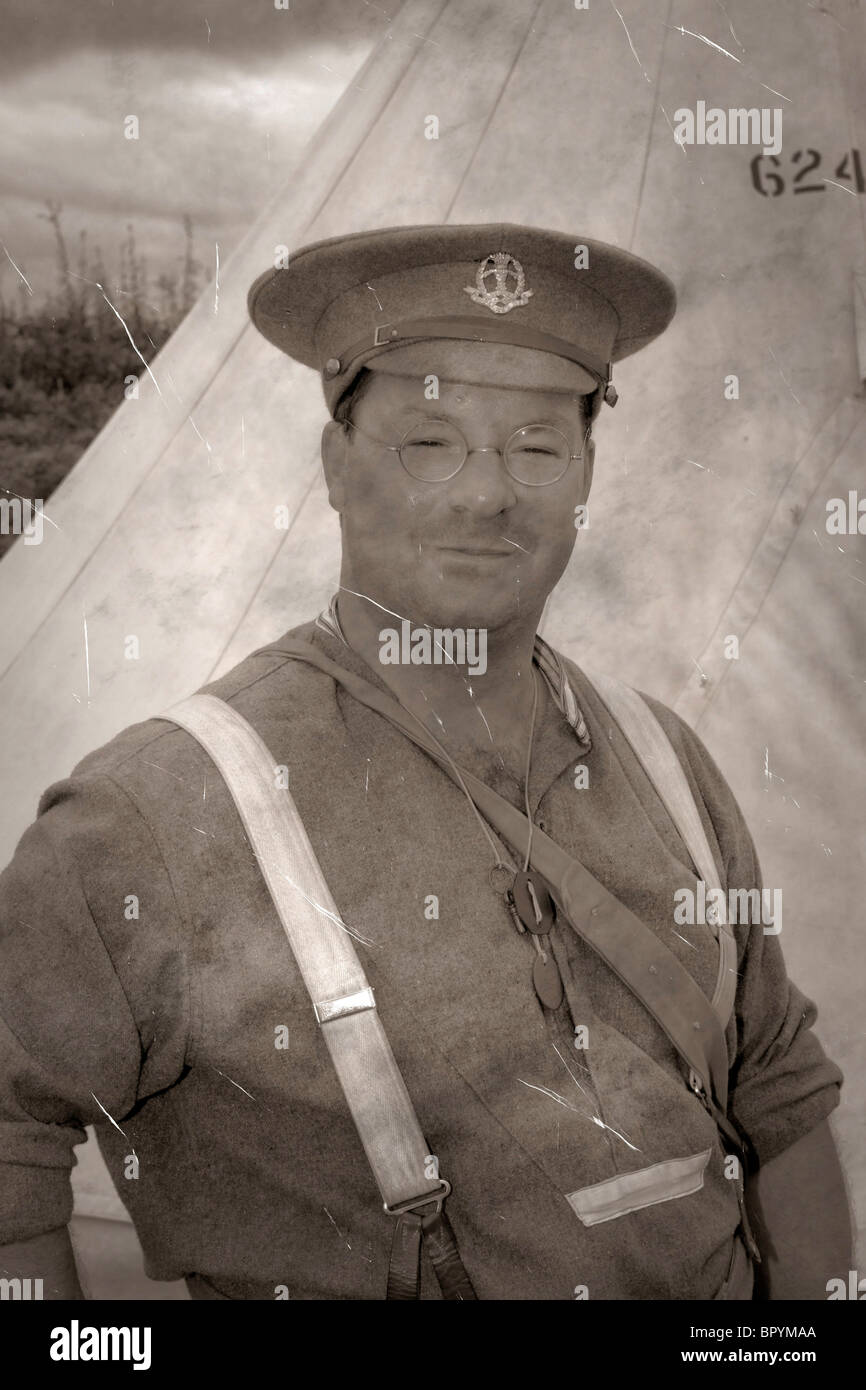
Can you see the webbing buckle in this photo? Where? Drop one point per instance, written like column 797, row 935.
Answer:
column 412, row 1202
column 380, row 328
column 328, row 1009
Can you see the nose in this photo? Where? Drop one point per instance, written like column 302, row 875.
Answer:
column 482, row 486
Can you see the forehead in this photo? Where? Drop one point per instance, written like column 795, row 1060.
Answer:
column 483, row 363
column 441, row 380
column 404, row 395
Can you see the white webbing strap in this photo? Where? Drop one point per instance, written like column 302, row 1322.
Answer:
column 656, row 754
column 343, row 1000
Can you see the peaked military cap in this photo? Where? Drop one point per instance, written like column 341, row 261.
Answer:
column 378, row 298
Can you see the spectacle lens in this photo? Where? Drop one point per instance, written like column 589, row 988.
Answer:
column 537, row 454
column 433, row 450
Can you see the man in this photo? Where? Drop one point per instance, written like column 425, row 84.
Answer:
column 148, row 987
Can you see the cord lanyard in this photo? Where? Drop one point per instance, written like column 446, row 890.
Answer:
column 527, row 896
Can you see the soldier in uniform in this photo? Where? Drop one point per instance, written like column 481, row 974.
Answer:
column 550, row 1076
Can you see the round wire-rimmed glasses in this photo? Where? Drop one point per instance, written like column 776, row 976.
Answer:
column 433, row 451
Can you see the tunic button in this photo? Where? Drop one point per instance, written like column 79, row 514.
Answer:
column 653, row 970
column 697, row 1027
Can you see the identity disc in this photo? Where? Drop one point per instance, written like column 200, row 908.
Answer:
column 547, row 981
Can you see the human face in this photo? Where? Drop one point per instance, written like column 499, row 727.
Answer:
column 479, row 549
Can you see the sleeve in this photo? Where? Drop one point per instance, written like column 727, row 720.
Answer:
column 782, row 1084
column 92, row 992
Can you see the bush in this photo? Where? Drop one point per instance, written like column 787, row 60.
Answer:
column 62, row 364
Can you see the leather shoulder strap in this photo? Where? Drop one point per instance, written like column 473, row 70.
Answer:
column 655, row 752
column 342, row 999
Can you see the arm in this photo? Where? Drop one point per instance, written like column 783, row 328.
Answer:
column 88, row 1008
column 782, row 1085
column 799, row 1212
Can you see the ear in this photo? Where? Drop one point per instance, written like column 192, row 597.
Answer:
column 335, row 445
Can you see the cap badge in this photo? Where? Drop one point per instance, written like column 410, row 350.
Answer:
column 509, row 283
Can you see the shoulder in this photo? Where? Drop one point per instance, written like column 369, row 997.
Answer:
column 700, row 766
column 135, row 806
column 706, row 780
column 264, row 686
column 691, row 751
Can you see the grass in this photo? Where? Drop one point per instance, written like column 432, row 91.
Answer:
column 63, row 363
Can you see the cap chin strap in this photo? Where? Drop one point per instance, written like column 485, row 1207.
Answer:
column 473, row 330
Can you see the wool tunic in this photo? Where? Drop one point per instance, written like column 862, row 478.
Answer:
column 145, row 977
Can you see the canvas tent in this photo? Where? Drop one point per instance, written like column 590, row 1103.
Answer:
column 709, row 512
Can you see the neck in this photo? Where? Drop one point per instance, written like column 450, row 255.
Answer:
column 478, row 711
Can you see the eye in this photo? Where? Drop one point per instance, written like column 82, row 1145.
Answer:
column 426, row 438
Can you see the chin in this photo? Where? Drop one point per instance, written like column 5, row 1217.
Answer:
column 485, row 607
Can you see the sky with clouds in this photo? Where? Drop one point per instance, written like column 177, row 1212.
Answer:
column 226, row 92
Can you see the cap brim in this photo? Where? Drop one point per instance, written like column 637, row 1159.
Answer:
column 287, row 305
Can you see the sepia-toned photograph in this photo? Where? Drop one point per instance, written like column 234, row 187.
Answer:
column 433, row 660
